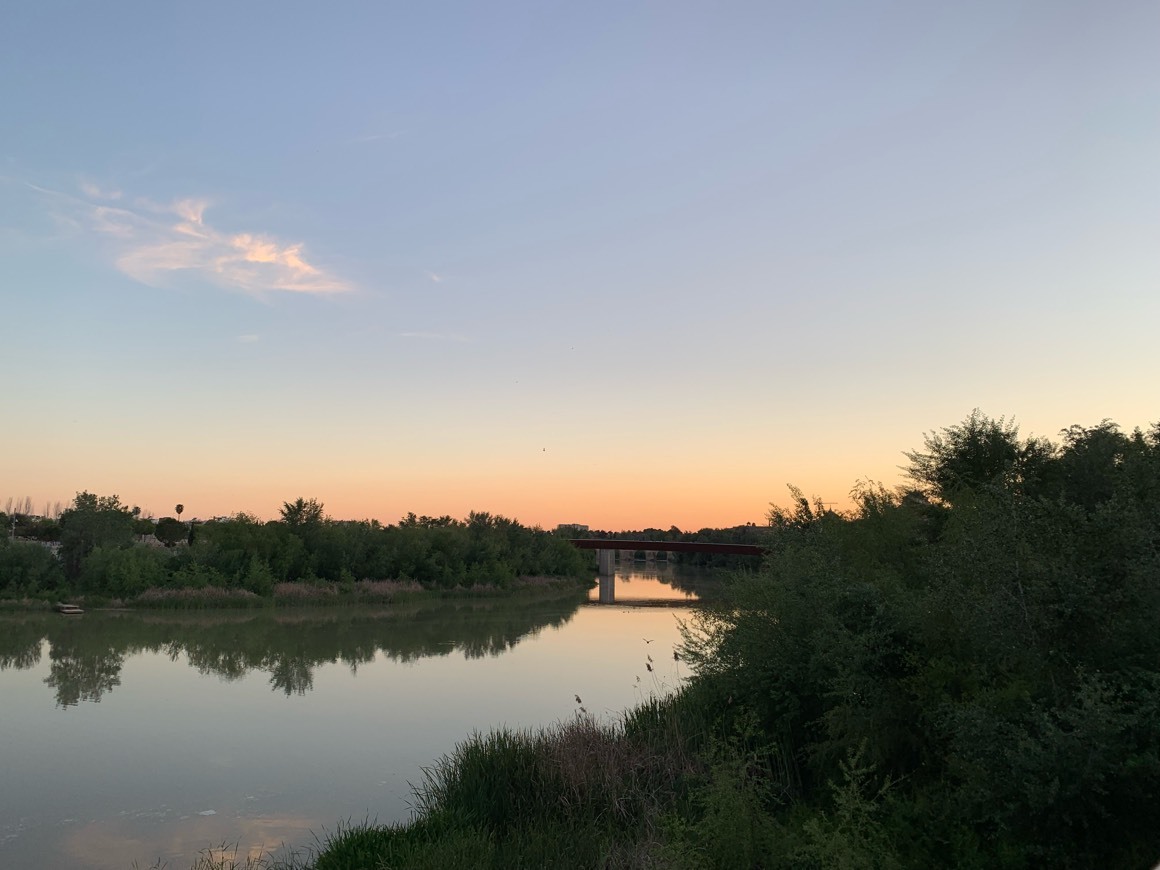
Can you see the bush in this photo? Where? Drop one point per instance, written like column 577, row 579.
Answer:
column 996, row 658
column 28, row 569
column 122, row 572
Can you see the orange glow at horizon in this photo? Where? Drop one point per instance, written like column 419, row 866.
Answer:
column 690, row 481
column 614, row 499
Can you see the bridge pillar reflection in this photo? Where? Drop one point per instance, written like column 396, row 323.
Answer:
column 608, row 589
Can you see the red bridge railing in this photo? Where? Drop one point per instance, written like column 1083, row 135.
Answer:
column 668, row 546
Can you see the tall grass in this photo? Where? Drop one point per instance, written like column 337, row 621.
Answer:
column 577, row 794
column 576, row 773
column 678, row 782
column 194, row 599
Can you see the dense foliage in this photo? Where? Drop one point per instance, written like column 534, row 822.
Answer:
column 28, row 568
column 978, row 656
column 103, row 552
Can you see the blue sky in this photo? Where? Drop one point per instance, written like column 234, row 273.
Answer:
column 626, row 264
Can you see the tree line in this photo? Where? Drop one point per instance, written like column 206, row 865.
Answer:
column 96, row 548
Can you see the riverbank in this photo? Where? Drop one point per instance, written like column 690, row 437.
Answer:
column 286, row 595
column 671, row 784
column 676, row 782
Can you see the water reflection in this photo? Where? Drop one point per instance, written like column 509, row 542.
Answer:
column 86, row 654
column 660, row 583
column 78, row 674
column 258, row 727
column 102, row 844
column 20, row 642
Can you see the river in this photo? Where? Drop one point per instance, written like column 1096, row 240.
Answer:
column 136, row 737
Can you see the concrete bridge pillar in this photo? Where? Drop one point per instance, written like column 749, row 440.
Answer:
column 606, row 562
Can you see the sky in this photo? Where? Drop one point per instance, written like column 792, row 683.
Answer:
column 620, row 264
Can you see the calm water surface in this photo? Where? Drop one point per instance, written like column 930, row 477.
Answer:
column 133, row 737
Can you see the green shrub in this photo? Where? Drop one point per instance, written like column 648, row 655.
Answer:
column 28, row 569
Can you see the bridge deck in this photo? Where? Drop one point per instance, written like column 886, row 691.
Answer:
column 668, row 546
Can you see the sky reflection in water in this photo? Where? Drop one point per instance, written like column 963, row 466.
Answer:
column 132, row 737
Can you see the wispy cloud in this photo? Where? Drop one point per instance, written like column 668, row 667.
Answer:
column 154, row 243
column 437, row 336
column 94, row 192
column 249, row 338
column 438, row 279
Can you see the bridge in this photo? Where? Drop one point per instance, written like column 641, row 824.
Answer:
column 607, row 548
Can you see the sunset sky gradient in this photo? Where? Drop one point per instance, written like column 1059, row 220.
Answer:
column 619, row 264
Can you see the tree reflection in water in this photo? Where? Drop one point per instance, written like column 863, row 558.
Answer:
column 20, row 643
column 86, row 654
column 83, row 675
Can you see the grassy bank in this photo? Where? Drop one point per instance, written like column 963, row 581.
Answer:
column 662, row 787
column 679, row 782
column 359, row 593
column 670, row 785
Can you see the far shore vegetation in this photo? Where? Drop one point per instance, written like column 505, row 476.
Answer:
column 102, row 553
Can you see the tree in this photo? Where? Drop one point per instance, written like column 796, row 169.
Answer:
column 93, row 521
column 302, row 512
column 1091, row 463
column 170, row 531
column 27, row 568
column 974, row 453
column 21, row 507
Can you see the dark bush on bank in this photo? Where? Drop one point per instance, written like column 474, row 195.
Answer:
column 976, row 658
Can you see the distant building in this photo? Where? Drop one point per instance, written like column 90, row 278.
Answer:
column 52, row 546
column 151, row 541
column 571, row 529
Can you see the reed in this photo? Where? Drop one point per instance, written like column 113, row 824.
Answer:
column 192, row 599
column 580, row 793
